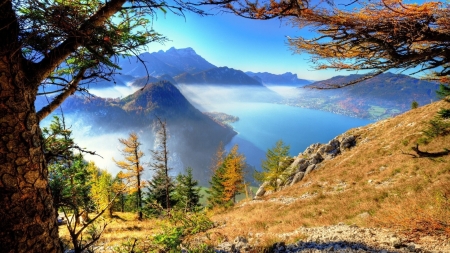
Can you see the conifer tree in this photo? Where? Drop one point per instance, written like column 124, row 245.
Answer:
column 186, row 192
column 216, row 190
column 68, row 44
column 443, row 92
column 233, row 180
column 132, row 168
column 274, row 166
column 228, row 177
column 160, row 155
column 158, row 192
column 68, row 171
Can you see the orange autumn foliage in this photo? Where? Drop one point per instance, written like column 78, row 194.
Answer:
column 233, row 182
column 375, row 35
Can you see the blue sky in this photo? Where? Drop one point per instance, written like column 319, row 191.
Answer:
column 249, row 45
column 225, row 39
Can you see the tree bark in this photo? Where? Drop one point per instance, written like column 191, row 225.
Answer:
column 28, row 218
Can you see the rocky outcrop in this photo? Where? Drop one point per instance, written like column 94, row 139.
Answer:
column 309, row 160
column 338, row 238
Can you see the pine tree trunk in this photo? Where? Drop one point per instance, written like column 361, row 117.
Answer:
column 139, row 195
column 28, row 218
column 27, row 215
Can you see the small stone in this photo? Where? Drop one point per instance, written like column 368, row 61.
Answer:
column 411, row 247
column 364, row 215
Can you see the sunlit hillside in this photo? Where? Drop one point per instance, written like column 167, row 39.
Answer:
column 378, row 183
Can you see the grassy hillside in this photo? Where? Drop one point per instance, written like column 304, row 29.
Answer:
column 376, row 184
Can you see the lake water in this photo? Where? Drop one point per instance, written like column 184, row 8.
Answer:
column 260, row 125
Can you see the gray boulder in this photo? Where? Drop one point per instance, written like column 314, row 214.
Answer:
column 330, row 150
column 226, row 247
column 315, row 159
column 294, row 164
column 302, row 165
column 312, row 149
column 261, row 191
column 279, row 182
column 348, row 142
column 241, row 244
column 297, row 178
column 309, row 169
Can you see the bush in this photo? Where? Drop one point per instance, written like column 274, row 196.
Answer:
column 170, row 239
column 177, row 226
column 437, row 127
column 444, row 113
column 414, row 104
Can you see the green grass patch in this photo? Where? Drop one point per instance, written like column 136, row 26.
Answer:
column 377, row 111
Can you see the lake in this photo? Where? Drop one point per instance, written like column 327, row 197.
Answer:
column 260, row 125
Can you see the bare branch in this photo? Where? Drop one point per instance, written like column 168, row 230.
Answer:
column 57, row 101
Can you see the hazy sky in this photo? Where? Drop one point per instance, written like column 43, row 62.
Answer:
column 249, row 45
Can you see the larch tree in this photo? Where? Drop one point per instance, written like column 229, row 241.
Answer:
column 132, row 168
column 119, row 186
column 65, row 45
column 233, row 182
column 374, row 36
column 228, row 177
column 102, row 191
column 274, row 167
column 379, row 36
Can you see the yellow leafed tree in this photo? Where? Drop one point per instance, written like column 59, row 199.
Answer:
column 102, row 191
column 234, row 174
column 132, row 168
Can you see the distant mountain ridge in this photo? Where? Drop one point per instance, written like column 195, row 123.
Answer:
column 386, row 86
column 382, row 96
column 218, row 76
column 171, row 62
column 287, row 78
column 185, row 66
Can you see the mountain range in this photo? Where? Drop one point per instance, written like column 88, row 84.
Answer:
column 185, row 66
column 195, row 136
column 286, row 79
column 218, row 76
column 382, row 96
column 171, row 62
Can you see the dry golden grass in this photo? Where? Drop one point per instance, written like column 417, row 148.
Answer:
column 376, row 184
column 121, row 228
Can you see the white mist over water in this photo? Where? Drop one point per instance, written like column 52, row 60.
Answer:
column 261, row 124
column 287, row 91
column 106, row 145
column 114, row 92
